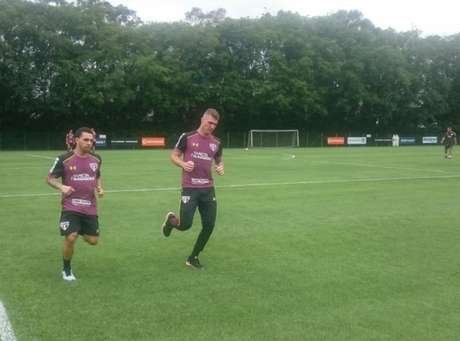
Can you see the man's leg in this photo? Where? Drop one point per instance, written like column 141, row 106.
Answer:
column 208, row 211
column 90, row 229
column 92, row 240
column 188, row 206
column 69, row 225
column 67, row 253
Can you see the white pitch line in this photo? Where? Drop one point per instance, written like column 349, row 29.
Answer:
column 260, row 184
column 28, row 195
column 6, row 331
column 378, row 166
column 41, row 156
column 336, row 181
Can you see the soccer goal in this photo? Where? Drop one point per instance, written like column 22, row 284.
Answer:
column 273, row 138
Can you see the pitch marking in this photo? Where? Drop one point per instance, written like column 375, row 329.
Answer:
column 6, row 331
column 261, row 184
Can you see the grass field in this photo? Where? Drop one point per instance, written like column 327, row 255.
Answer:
column 334, row 244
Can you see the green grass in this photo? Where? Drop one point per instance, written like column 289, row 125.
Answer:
column 334, row 244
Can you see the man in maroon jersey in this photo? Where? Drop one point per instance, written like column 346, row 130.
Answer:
column 449, row 140
column 80, row 173
column 194, row 153
column 69, row 140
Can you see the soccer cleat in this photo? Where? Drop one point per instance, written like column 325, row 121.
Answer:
column 68, row 277
column 167, row 226
column 194, row 263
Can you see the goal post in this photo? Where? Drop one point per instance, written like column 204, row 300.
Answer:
column 273, row 138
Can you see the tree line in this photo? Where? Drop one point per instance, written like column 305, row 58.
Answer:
column 64, row 64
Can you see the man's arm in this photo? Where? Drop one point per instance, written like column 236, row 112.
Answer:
column 219, row 161
column 57, row 184
column 56, row 172
column 219, row 165
column 99, row 189
column 176, row 158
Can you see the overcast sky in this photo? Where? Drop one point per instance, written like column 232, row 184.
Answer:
column 439, row 17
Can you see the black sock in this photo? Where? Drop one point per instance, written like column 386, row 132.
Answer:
column 67, row 267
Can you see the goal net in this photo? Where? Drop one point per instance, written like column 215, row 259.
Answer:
column 273, row 138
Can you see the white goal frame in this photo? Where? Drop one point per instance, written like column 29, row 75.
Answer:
column 294, row 131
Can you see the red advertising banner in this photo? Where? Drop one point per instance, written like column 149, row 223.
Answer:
column 336, row 141
column 153, row 142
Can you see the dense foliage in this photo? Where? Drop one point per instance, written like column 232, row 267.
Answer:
column 87, row 62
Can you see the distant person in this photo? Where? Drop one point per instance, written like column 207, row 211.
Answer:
column 80, row 173
column 395, row 140
column 449, row 140
column 194, row 153
column 70, row 140
column 94, row 139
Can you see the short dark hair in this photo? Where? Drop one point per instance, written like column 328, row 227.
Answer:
column 83, row 130
column 212, row 112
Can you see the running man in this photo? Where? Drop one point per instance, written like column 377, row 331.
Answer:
column 449, row 140
column 80, row 173
column 194, row 153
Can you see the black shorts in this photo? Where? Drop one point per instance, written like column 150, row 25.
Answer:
column 205, row 200
column 77, row 222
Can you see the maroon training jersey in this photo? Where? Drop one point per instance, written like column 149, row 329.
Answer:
column 70, row 139
column 201, row 150
column 81, row 173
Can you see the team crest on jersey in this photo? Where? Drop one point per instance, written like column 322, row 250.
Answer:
column 185, row 199
column 93, row 166
column 64, row 225
column 213, row 146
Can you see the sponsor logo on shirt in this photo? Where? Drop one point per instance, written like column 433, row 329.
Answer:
column 81, row 202
column 93, row 166
column 197, row 181
column 82, row 177
column 201, row 156
column 185, row 199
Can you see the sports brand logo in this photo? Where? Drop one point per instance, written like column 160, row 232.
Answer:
column 213, row 146
column 64, row 225
column 93, row 166
column 72, row 168
column 185, row 199
column 195, row 144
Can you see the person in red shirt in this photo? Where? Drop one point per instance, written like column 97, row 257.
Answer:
column 449, row 140
column 69, row 140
